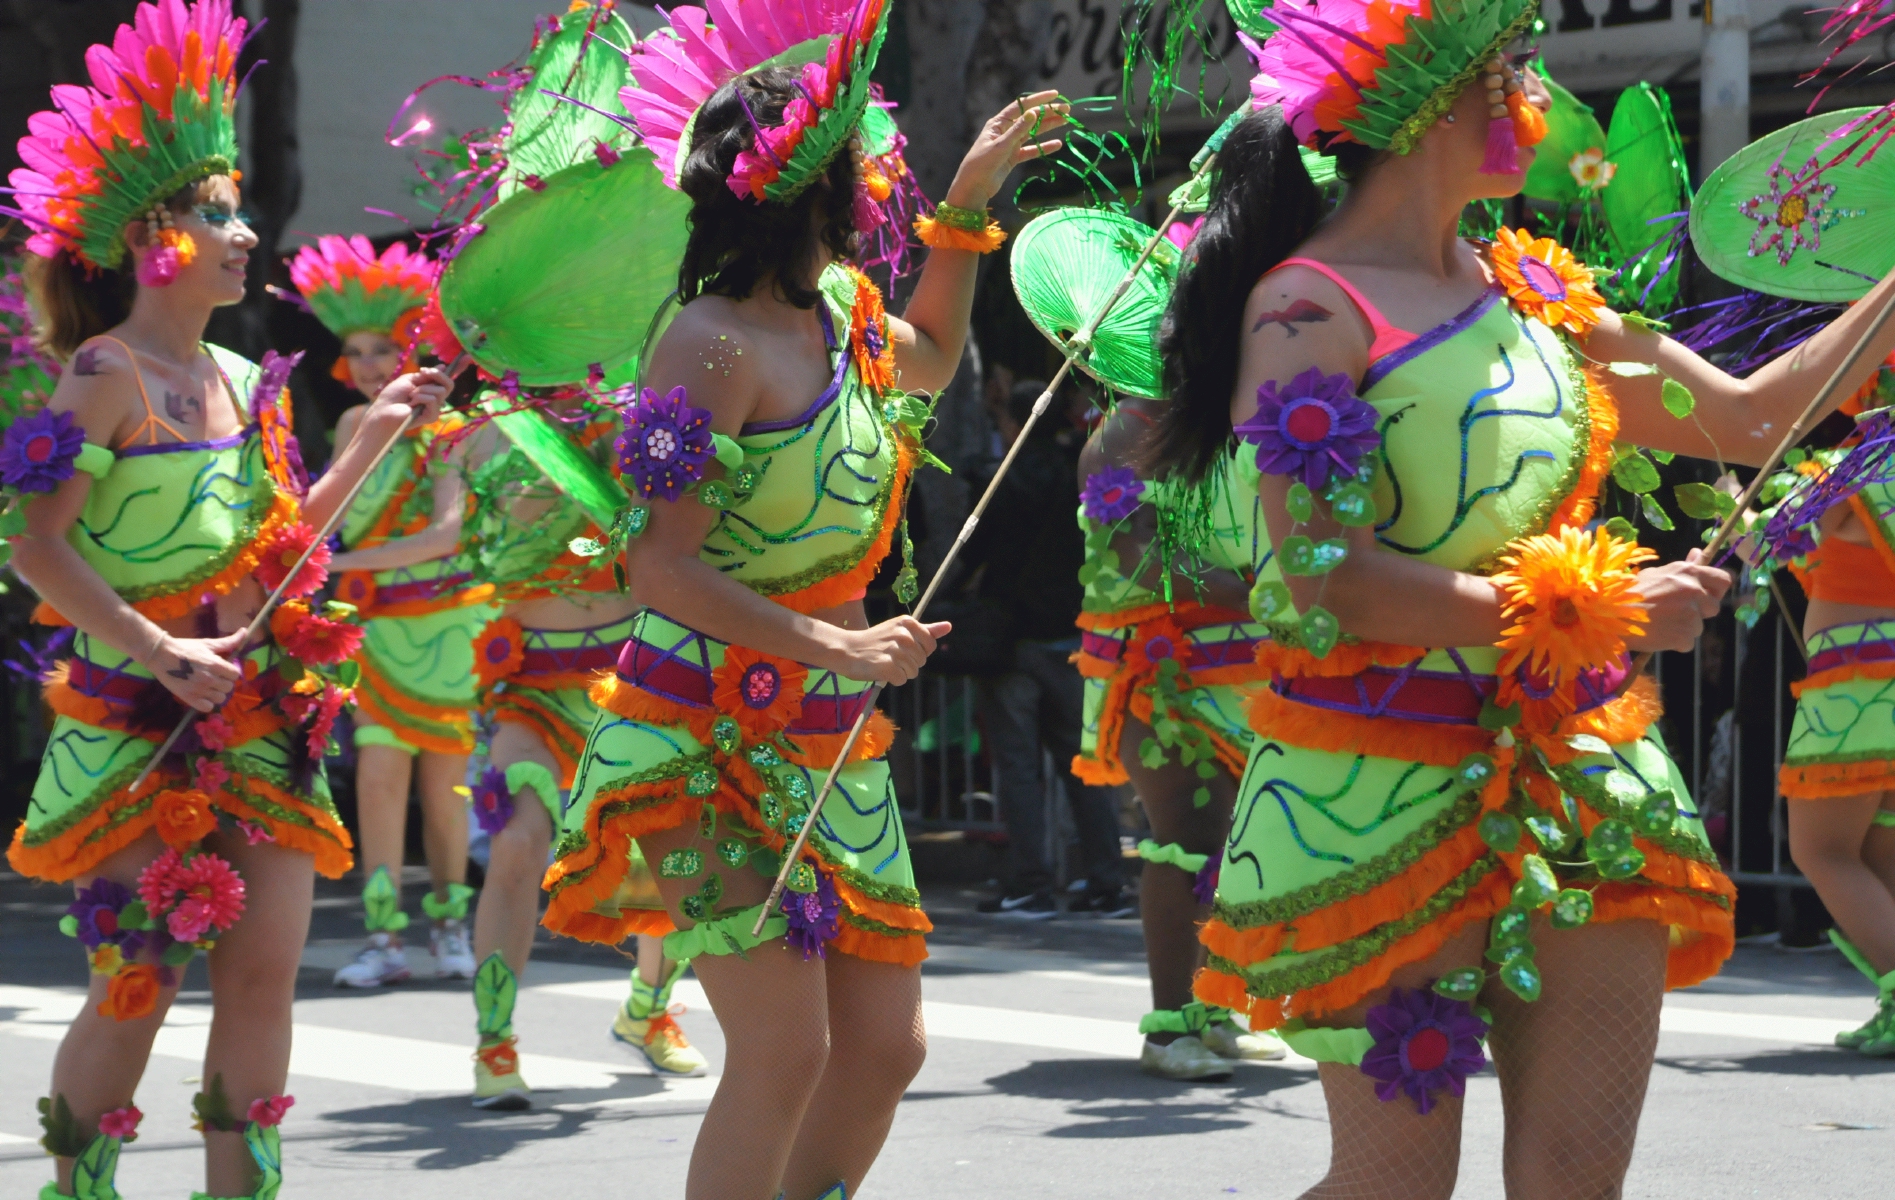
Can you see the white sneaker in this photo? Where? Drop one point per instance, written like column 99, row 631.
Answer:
column 1183, row 1058
column 1228, row 1039
column 381, row 961
column 453, row 951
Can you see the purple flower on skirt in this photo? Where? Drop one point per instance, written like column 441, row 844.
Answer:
column 1111, row 495
column 666, row 444
column 39, row 450
column 1204, row 883
column 1425, row 1043
column 97, row 909
column 815, row 917
column 1314, row 424
column 493, row 802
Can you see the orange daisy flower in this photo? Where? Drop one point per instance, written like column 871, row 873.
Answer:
column 356, row 588
column 498, row 651
column 763, row 692
column 1573, row 600
column 1546, row 282
column 869, row 342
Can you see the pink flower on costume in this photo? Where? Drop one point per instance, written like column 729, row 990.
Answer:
column 216, row 732
column 333, row 698
column 211, row 776
column 194, row 896
column 269, row 1110
column 254, row 834
column 121, row 1123
column 280, row 553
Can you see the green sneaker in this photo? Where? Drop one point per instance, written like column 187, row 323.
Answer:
column 1879, row 1041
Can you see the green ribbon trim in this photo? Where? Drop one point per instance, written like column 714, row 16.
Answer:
column 454, row 908
column 383, row 902
column 95, row 460
column 647, row 999
column 522, row 776
column 1885, row 817
column 1884, row 984
column 1192, row 1019
column 382, row 735
column 1172, row 855
column 1346, row 1046
column 727, row 452
column 728, row 934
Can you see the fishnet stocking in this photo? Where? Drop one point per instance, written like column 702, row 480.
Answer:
column 817, row 1055
column 1386, row 1149
column 1574, row 1064
column 1573, row 1069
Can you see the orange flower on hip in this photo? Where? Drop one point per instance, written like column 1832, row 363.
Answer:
column 1154, row 641
column 762, row 692
column 357, row 588
column 1546, row 282
column 1573, row 600
column 183, row 817
column 132, row 993
column 498, row 651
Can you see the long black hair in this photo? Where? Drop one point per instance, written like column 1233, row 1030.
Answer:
column 735, row 242
column 1263, row 206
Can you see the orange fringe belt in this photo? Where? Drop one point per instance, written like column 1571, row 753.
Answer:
column 584, row 883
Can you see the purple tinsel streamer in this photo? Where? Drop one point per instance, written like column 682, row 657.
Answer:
column 1204, row 884
column 1757, row 326
column 1786, row 535
column 37, row 662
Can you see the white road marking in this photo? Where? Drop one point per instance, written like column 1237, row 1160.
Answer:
column 1765, row 1027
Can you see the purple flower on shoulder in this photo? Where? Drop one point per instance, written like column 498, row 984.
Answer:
column 815, row 917
column 39, row 450
column 1314, row 424
column 1111, row 495
column 493, row 802
column 96, row 911
column 666, row 444
column 1425, row 1044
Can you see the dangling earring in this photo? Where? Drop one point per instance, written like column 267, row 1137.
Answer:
column 1449, row 118
column 170, row 251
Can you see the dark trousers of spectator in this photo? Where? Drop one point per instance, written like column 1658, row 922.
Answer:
column 1038, row 705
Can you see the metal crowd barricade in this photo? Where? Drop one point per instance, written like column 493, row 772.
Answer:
column 943, row 779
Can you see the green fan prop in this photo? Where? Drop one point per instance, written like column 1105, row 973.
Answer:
column 1771, row 220
column 566, row 277
column 1650, row 182
column 1571, row 130
column 550, row 133
column 571, row 469
column 1067, row 262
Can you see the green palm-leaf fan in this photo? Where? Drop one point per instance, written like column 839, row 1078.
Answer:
column 1571, row 130
column 1770, row 220
column 575, row 472
column 585, row 62
column 1067, row 262
column 566, row 277
column 1650, row 182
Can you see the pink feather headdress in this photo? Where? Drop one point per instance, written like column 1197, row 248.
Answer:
column 157, row 118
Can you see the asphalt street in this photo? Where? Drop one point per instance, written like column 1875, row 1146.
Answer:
column 1030, row 1090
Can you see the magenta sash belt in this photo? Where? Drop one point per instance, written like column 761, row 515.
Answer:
column 1433, row 697
column 671, row 674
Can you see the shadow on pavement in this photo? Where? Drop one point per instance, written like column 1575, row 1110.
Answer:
column 1112, row 1099
column 1807, row 1060
column 446, row 1132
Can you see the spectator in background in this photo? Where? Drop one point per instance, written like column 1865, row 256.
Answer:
column 1031, row 550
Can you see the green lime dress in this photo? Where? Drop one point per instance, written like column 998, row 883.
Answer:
column 171, row 526
column 698, row 731
column 1358, row 843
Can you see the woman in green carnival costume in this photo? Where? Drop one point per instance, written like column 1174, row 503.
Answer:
column 414, row 699
column 782, row 366
column 1450, row 770
column 163, row 498
column 564, row 620
column 1839, row 766
column 1167, row 646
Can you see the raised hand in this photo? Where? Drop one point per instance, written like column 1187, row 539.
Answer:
column 1014, row 135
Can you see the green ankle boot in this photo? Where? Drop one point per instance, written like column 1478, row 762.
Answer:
column 266, row 1150
column 497, row 1082
column 1876, row 1038
column 95, row 1159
